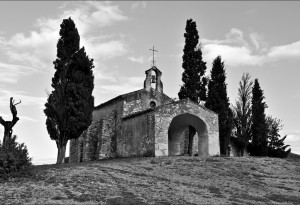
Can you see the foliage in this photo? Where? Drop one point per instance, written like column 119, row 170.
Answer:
column 259, row 129
column 276, row 146
column 218, row 101
column 14, row 158
column 194, row 86
column 242, row 114
column 69, row 106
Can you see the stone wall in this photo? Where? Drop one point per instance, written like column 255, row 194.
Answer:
column 92, row 141
column 203, row 120
column 97, row 142
column 184, row 142
column 108, row 146
column 77, row 150
column 132, row 107
column 137, row 136
column 140, row 100
column 104, row 110
column 74, row 151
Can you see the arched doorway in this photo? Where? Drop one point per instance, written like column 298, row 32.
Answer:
column 180, row 139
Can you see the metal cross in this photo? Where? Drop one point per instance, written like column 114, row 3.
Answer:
column 153, row 62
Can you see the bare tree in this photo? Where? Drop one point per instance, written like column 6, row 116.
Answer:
column 8, row 125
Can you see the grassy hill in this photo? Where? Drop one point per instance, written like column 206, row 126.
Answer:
column 168, row 180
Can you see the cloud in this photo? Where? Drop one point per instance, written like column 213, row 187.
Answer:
column 20, row 95
column 106, row 50
column 38, row 47
column 232, row 55
column 92, row 15
column 290, row 51
column 124, row 85
column 234, row 37
column 23, row 117
column 10, row 73
column 252, row 12
column 138, row 4
column 256, row 39
column 139, row 59
column 104, row 73
column 238, row 51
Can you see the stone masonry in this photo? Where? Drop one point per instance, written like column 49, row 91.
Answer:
column 147, row 123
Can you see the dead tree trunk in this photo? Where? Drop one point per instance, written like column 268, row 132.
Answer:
column 8, row 125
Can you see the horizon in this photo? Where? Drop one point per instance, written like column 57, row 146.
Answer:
column 256, row 37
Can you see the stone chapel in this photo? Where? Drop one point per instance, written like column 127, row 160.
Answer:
column 146, row 123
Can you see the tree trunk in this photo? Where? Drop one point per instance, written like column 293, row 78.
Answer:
column 8, row 125
column 61, row 153
column 7, row 136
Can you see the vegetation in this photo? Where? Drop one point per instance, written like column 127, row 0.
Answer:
column 218, row 101
column 14, row 158
column 194, row 86
column 69, row 106
column 165, row 180
column 242, row 114
column 276, row 146
column 259, row 129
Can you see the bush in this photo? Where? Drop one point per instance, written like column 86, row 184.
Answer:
column 14, row 159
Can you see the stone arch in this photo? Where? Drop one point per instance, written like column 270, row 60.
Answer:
column 177, row 129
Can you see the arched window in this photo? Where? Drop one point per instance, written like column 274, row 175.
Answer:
column 152, row 104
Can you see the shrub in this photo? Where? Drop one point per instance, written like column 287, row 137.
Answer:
column 14, row 159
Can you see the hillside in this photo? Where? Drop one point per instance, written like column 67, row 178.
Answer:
column 174, row 180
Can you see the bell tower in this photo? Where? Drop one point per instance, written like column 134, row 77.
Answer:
column 153, row 80
column 153, row 77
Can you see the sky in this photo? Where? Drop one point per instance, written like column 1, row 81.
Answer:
column 262, row 38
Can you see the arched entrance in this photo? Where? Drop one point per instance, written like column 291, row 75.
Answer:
column 180, row 139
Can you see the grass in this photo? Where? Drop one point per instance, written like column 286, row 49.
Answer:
column 168, row 180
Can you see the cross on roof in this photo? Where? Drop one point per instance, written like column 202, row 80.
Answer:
column 153, row 62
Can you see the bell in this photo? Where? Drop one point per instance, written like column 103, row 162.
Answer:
column 153, row 79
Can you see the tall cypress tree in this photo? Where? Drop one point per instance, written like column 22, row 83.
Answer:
column 194, row 86
column 69, row 106
column 259, row 129
column 218, row 101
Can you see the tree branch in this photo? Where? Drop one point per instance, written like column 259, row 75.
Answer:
column 2, row 122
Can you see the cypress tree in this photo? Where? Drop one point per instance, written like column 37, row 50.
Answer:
column 218, row 101
column 194, row 86
column 259, row 130
column 69, row 106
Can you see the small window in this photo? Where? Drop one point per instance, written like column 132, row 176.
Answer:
column 152, row 104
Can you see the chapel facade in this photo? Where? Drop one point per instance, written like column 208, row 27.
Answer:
column 147, row 123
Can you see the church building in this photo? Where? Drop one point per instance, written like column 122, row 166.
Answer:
column 146, row 123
